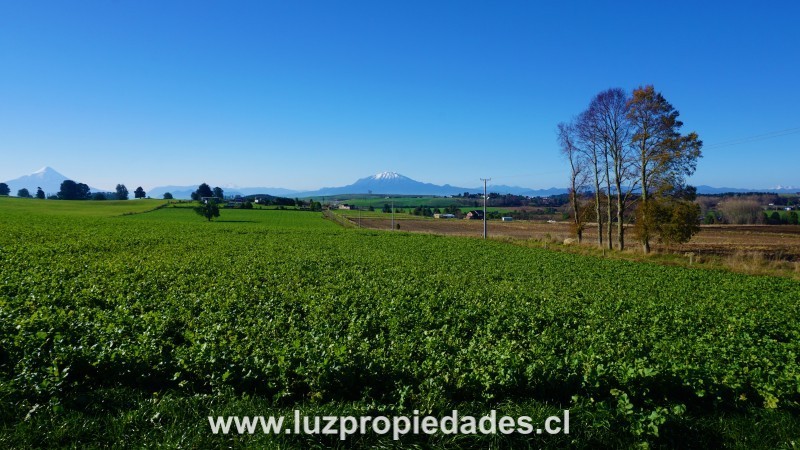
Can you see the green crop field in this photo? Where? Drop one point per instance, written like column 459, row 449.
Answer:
column 403, row 201
column 130, row 330
column 377, row 214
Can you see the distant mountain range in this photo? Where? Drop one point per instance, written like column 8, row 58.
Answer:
column 708, row 190
column 394, row 183
column 383, row 183
column 185, row 192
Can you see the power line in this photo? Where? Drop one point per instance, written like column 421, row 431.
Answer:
column 485, row 180
column 527, row 175
column 755, row 138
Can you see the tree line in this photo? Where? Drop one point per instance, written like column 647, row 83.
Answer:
column 749, row 208
column 23, row 193
column 71, row 190
column 627, row 157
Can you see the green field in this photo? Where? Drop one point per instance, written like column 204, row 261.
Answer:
column 378, row 213
column 129, row 330
column 402, row 202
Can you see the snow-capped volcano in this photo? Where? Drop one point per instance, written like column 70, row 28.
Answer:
column 386, row 183
column 47, row 178
column 386, row 176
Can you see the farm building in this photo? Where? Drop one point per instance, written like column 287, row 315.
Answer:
column 475, row 215
column 444, row 216
column 507, row 219
column 345, row 206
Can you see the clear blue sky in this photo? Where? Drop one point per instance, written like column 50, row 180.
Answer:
column 302, row 94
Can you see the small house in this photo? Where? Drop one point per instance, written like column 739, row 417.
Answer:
column 507, row 219
column 475, row 215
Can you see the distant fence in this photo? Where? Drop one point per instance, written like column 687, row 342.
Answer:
column 330, row 215
column 131, row 213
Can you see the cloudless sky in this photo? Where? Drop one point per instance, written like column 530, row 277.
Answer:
column 301, row 94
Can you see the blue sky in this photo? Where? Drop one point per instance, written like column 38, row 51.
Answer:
column 302, row 94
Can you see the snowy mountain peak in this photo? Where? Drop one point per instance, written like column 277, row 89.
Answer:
column 46, row 170
column 46, row 178
column 388, row 176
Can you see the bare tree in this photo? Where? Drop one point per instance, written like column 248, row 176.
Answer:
column 610, row 114
column 741, row 210
column 663, row 157
column 567, row 138
column 591, row 147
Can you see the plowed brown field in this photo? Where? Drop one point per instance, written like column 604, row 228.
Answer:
column 773, row 241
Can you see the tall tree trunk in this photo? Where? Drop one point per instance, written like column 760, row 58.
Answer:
column 597, row 212
column 610, row 211
column 597, row 209
column 620, row 216
column 643, row 215
column 576, row 212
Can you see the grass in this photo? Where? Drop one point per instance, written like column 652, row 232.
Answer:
column 741, row 261
column 82, row 208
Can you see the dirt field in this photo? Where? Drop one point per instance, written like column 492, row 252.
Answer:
column 776, row 242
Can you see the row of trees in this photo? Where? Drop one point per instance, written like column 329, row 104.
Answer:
column 628, row 148
column 745, row 210
column 71, row 190
column 23, row 193
column 122, row 192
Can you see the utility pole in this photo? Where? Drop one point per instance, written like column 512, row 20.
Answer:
column 392, row 200
column 484, row 205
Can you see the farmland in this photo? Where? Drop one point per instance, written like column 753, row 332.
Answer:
column 769, row 249
column 134, row 328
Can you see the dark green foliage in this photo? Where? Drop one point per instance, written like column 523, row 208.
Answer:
column 4, row 189
column 139, row 193
column 793, row 219
column 99, row 196
column 122, row 192
column 71, row 190
column 208, row 209
column 453, row 209
column 203, row 191
column 168, row 196
column 422, row 211
column 23, row 193
column 218, row 192
column 670, row 220
column 39, row 193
